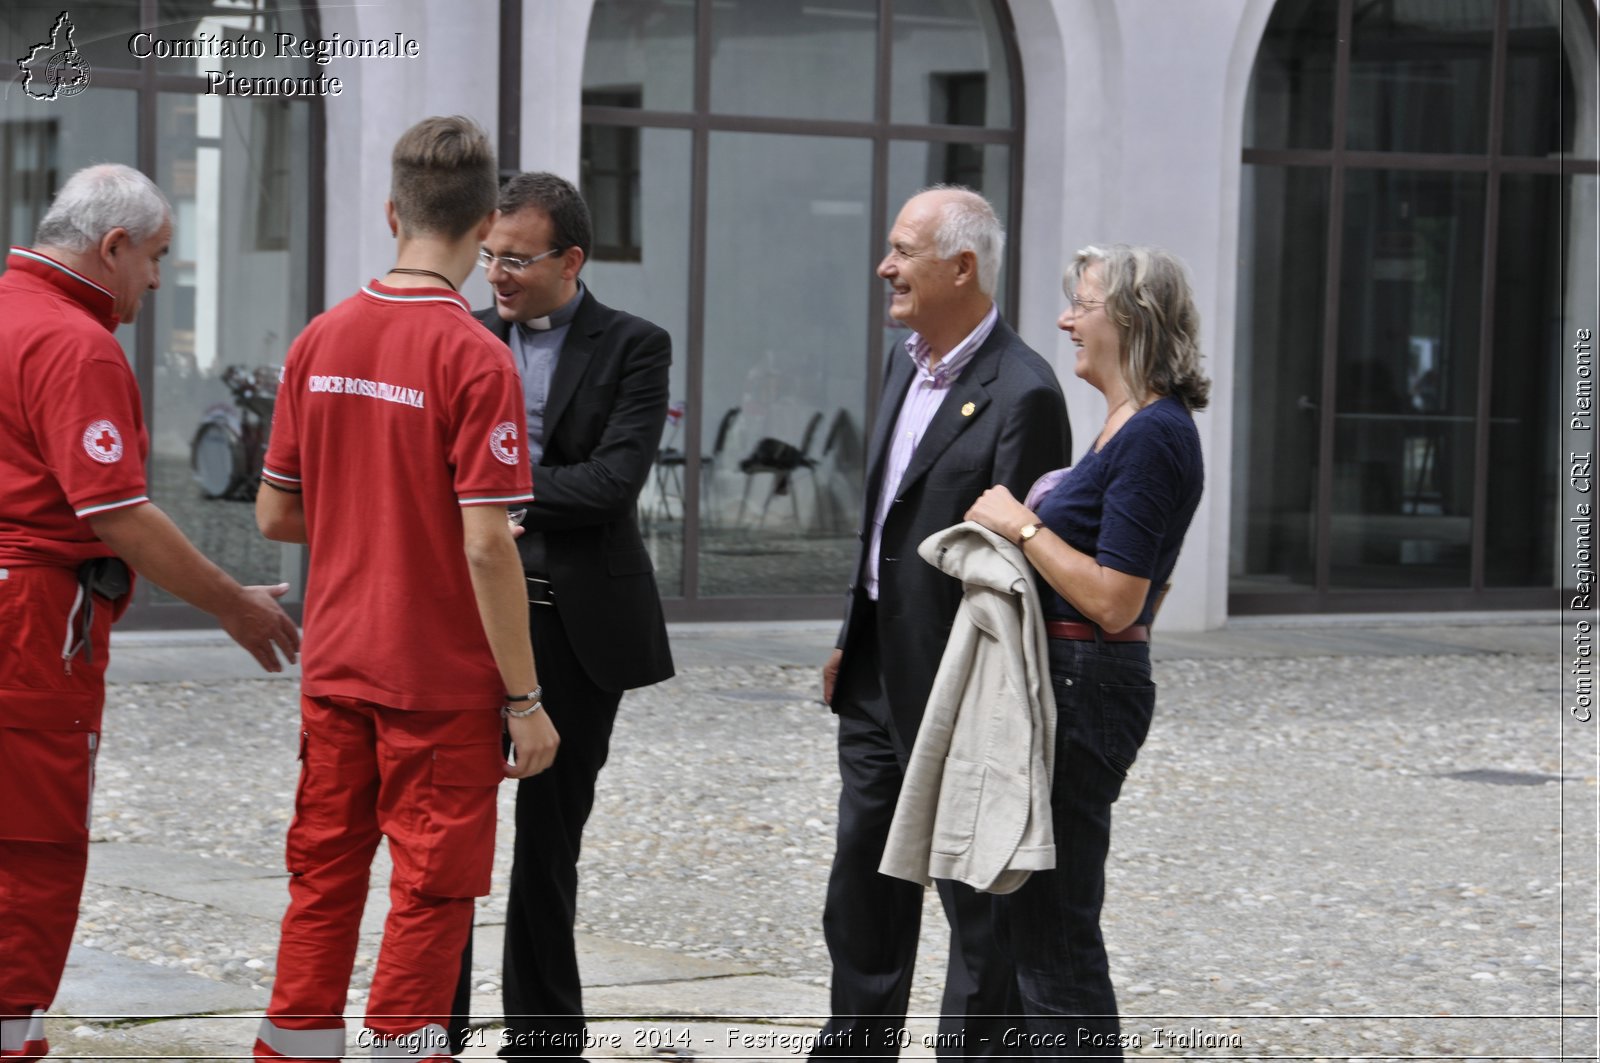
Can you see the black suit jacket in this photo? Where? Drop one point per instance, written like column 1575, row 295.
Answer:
column 602, row 426
column 1003, row 422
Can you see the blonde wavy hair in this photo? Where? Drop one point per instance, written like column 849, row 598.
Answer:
column 1147, row 297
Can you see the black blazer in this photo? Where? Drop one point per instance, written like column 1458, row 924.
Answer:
column 1003, row 422
column 602, row 426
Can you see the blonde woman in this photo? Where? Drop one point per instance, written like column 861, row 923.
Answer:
column 1103, row 539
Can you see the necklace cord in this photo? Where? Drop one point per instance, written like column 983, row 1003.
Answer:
column 425, row 273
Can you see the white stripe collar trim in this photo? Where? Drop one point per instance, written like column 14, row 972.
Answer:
column 23, row 252
column 453, row 300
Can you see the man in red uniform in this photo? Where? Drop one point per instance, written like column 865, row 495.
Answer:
column 396, row 446
column 74, row 517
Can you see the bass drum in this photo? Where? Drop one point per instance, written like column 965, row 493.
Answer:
column 218, row 461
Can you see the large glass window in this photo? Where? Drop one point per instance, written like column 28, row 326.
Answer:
column 654, row 281
column 234, row 298
column 742, row 194
column 1406, row 285
column 1283, row 256
column 237, row 285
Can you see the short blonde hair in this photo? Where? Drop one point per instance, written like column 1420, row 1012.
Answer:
column 443, row 177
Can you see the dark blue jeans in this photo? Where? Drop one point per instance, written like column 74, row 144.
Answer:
column 1051, row 926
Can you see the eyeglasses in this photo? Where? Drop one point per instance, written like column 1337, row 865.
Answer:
column 510, row 263
column 1083, row 306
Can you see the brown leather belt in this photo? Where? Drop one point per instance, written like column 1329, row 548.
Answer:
column 1077, row 631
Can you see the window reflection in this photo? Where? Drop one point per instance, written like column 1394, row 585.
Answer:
column 1282, row 289
column 1540, row 302
column 1541, row 115
column 946, row 55
column 794, row 60
column 1405, row 416
column 654, row 284
column 644, row 47
column 1291, row 88
column 231, row 301
column 788, row 358
column 1420, row 76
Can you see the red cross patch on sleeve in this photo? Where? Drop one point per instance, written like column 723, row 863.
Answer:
column 503, row 442
column 102, row 442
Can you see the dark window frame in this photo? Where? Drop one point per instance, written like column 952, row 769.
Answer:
column 1338, row 162
column 625, row 174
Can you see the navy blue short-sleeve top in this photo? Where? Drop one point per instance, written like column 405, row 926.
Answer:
column 1129, row 504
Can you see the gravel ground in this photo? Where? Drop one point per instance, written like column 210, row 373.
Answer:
column 1324, row 857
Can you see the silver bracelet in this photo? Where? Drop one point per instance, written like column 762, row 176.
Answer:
column 536, row 695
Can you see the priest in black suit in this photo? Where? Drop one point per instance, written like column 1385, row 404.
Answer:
column 966, row 404
column 595, row 381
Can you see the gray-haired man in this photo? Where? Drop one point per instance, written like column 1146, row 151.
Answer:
column 77, row 517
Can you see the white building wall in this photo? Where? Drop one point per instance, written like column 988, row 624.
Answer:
column 456, row 73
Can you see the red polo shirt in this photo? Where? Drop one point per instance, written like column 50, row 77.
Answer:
column 72, row 434
column 395, row 410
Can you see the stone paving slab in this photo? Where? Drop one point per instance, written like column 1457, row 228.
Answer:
column 610, row 963
column 225, row 885
column 104, row 986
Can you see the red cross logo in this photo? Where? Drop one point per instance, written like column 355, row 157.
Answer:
column 102, row 442
column 503, row 442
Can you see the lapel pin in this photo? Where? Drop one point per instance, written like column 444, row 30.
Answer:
column 968, row 409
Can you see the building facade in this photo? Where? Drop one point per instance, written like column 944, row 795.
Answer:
column 1388, row 210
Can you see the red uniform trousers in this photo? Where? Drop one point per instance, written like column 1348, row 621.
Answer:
column 49, row 735
column 427, row 782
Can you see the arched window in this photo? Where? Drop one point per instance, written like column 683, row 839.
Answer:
column 1417, row 249
column 245, row 265
column 743, row 160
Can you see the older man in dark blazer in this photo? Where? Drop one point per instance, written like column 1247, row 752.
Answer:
column 966, row 404
column 595, row 382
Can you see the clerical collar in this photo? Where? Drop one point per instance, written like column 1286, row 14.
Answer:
column 560, row 316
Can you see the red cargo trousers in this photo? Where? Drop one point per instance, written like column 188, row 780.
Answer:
column 426, row 781
column 49, row 736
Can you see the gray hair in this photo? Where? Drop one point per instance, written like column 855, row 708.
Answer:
column 1147, row 297
column 968, row 223
column 100, row 198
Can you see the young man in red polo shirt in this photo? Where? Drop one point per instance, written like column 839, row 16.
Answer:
column 396, row 447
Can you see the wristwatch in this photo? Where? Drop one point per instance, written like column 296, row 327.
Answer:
column 1028, row 531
